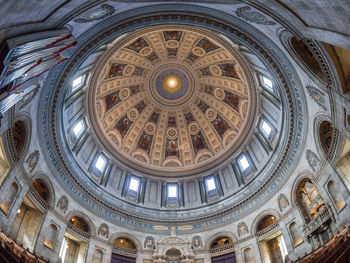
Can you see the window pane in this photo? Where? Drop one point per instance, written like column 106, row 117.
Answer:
column 172, row 191
column 210, row 184
column 267, row 83
column 78, row 128
column 243, row 161
column 134, row 184
column 266, row 128
column 100, row 163
column 77, row 82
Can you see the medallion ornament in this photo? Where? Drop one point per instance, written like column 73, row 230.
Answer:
column 318, row 96
column 242, row 229
column 33, row 160
column 62, row 204
column 96, row 14
column 282, row 202
column 196, row 241
column 312, row 159
column 103, row 230
column 252, row 16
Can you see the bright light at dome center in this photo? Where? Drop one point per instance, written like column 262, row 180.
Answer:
column 172, row 83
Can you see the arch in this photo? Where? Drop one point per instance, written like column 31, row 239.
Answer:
column 18, row 138
column 306, row 57
column 128, row 236
column 261, row 215
column 75, row 213
column 325, row 133
column 336, row 196
column 10, row 197
column 308, row 199
column 218, row 235
column 124, row 242
column 51, row 189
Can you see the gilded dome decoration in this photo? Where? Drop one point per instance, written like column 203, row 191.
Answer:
column 172, row 97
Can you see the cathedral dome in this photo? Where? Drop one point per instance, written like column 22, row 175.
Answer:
column 172, row 96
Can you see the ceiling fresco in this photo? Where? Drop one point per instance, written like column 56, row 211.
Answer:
column 172, row 97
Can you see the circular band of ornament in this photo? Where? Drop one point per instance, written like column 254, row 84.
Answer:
column 172, row 44
column 210, row 114
column 128, row 70
column 124, row 94
column 171, row 133
column 215, row 70
column 150, row 128
column 219, row 94
column 193, row 128
column 198, row 51
column 133, row 114
column 146, row 51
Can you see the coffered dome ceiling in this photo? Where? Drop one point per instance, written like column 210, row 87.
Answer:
column 174, row 97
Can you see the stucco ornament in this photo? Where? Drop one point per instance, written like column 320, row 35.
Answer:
column 312, row 159
column 318, row 96
column 96, row 14
column 103, row 230
column 282, row 202
column 252, row 16
column 62, row 204
column 149, row 242
column 33, row 160
column 196, row 241
column 242, row 229
column 28, row 97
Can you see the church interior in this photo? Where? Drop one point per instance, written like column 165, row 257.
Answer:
column 152, row 131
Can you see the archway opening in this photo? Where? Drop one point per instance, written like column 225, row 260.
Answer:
column 307, row 58
column 42, row 189
column 271, row 243
column 124, row 250
column 325, row 135
column 19, row 133
column 315, row 213
column 222, row 250
column 76, row 241
column 173, row 255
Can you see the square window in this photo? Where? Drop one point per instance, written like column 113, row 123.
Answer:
column 77, row 82
column 265, row 127
column 210, row 182
column 100, row 163
column 78, row 128
column 243, row 161
column 172, row 191
column 134, row 184
column 267, row 83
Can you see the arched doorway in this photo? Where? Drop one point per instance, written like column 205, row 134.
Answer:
column 222, row 250
column 270, row 240
column 124, row 250
column 76, row 241
column 31, row 214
